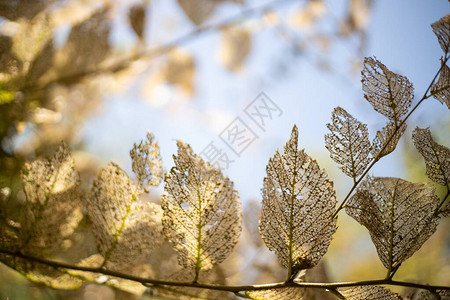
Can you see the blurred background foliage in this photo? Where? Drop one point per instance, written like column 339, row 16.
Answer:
column 62, row 60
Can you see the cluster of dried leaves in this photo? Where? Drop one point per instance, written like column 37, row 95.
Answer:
column 200, row 212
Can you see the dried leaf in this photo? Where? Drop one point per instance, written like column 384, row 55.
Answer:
column 441, row 89
column 235, row 47
column 31, row 38
column 278, row 294
column 442, row 30
column 390, row 94
column 298, row 202
column 136, row 17
column 198, row 11
column 180, row 70
column 147, row 163
column 437, row 157
column 126, row 231
column 368, row 292
column 439, row 295
column 348, row 143
column 201, row 211
column 53, row 201
column 22, row 8
column 307, row 15
column 87, row 44
column 399, row 215
column 358, row 17
column 389, row 133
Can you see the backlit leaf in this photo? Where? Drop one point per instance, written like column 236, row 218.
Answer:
column 437, row 157
column 368, row 292
column 298, row 202
column 348, row 142
column 53, row 201
column 442, row 30
column 441, row 88
column 198, row 11
column 390, row 94
column 87, row 44
column 201, row 212
column 399, row 215
column 147, row 163
column 289, row 293
column 388, row 139
column 180, row 70
column 438, row 295
column 235, row 47
column 126, row 230
column 136, row 17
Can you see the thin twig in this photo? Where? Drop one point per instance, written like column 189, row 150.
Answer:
column 122, row 64
column 233, row 289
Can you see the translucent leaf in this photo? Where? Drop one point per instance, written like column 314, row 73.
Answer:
column 126, row 231
column 298, row 202
column 307, row 15
column 368, row 292
column 53, row 201
column 87, row 44
column 136, row 17
column 31, row 38
column 439, row 295
column 201, row 211
column 441, row 89
column 437, row 157
column 147, row 163
column 41, row 273
column 278, row 294
column 180, row 70
column 198, row 11
column 399, row 215
column 442, row 30
column 348, row 142
column 235, row 47
column 388, row 133
column 22, row 8
column 141, row 233
column 390, row 94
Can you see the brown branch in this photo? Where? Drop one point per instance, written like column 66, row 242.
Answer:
column 159, row 50
column 233, row 289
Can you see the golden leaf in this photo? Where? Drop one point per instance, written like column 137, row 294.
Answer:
column 441, row 89
column 348, row 143
column 368, row 292
column 235, row 47
column 201, row 212
column 442, row 30
column 298, row 202
column 437, row 157
column 390, row 94
column 399, row 215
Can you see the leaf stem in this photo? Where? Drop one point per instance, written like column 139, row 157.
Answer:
column 233, row 289
column 378, row 157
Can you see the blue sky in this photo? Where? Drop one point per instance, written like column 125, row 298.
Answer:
column 399, row 34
